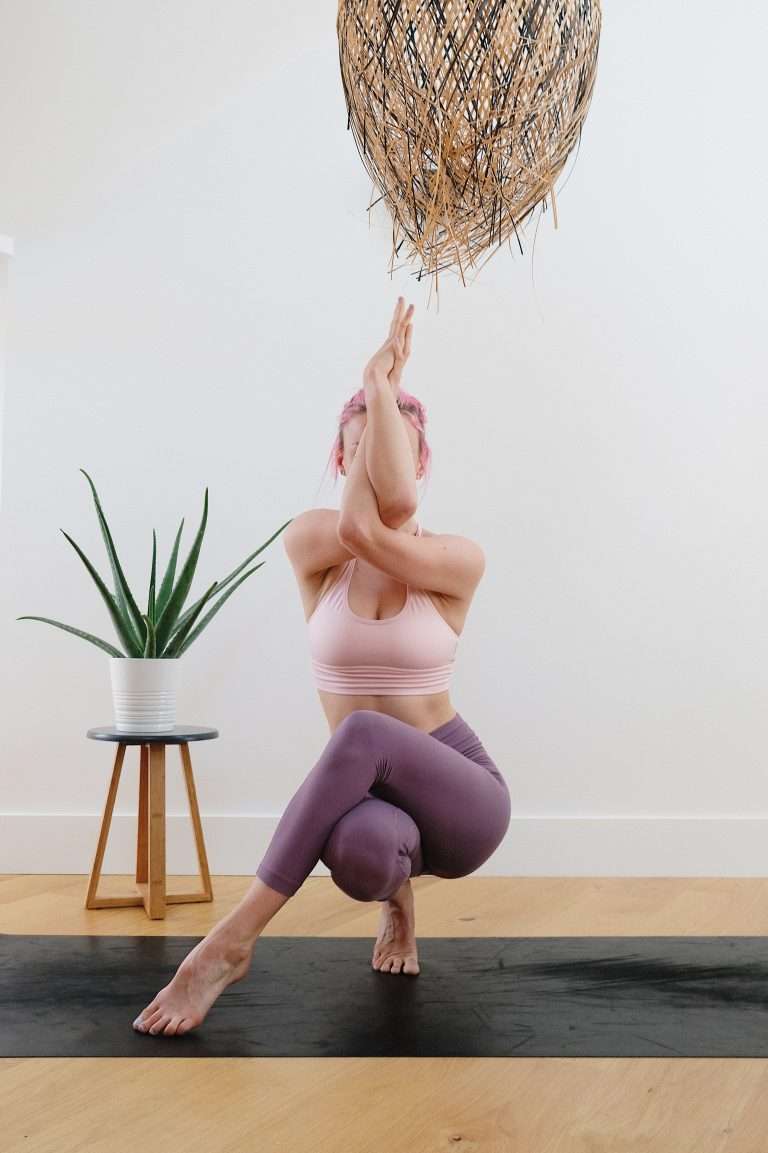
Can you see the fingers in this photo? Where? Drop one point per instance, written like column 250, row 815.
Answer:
column 406, row 319
column 407, row 344
column 405, row 333
column 396, row 316
column 400, row 317
column 406, row 323
column 401, row 332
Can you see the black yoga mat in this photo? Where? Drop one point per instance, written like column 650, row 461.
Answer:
column 76, row 996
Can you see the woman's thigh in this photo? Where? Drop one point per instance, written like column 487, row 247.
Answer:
column 461, row 806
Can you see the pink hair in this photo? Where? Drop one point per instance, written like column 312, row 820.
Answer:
column 408, row 404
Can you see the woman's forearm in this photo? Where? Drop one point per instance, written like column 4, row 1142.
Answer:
column 388, row 453
column 359, row 506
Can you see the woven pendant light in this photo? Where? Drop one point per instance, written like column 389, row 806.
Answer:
column 464, row 113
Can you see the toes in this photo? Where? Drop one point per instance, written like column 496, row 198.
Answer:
column 397, row 963
column 153, row 1018
column 159, row 1020
column 146, row 1013
column 393, row 962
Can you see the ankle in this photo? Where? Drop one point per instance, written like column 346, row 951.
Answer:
column 240, row 930
column 403, row 897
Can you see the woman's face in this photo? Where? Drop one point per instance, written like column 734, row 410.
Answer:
column 353, row 430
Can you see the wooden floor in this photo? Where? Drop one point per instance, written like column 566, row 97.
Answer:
column 401, row 1105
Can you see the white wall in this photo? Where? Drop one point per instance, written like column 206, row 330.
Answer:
column 195, row 290
column 6, row 253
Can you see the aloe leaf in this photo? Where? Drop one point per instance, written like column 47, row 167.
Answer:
column 122, row 591
column 170, row 573
column 174, row 648
column 222, row 584
column 167, row 619
column 196, row 632
column 121, row 622
column 151, row 598
column 105, row 645
column 248, row 559
column 149, row 646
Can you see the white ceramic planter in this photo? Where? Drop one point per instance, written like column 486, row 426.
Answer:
column 144, row 693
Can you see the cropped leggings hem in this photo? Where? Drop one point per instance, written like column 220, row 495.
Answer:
column 386, row 801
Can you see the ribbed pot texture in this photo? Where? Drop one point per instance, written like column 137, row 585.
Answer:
column 144, row 693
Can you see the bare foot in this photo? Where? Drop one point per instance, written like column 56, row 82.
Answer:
column 215, row 962
column 395, row 948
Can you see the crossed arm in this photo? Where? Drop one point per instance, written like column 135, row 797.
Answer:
column 388, row 455
column 387, row 449
column 444, row 563
column 381, row 485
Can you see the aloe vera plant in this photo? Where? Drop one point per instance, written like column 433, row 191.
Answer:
column 164, row 630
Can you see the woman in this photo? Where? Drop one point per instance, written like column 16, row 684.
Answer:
column 403, row 786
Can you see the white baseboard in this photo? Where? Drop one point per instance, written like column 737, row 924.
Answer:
column 657, row 846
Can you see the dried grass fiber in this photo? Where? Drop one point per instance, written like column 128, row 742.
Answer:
column 464, row 113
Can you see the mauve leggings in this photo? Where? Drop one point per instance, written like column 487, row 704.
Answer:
column 386, row 801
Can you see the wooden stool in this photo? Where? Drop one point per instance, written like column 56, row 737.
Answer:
column 150, row 845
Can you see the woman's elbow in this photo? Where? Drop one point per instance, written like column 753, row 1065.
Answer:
column 348, row 530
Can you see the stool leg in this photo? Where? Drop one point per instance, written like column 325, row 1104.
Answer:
column 91, row 901
column 142, row 831
column 155, row 889
column 202, row 858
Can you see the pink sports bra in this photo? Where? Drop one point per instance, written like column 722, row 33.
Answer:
column 409, row 653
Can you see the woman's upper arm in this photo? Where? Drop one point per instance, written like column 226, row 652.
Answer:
column 312, row 543
column 441, row 562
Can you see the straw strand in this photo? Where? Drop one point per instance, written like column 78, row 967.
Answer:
column 464, row 113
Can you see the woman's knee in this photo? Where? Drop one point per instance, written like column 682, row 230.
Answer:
column 355, row 740
column 365, row 869
column 365, row 881
column 359, row 723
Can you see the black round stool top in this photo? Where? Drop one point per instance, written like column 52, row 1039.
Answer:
column 175, row 736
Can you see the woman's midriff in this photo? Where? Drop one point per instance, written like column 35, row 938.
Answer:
column 425, row 712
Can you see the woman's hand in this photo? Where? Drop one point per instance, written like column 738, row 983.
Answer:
column 390, row 359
